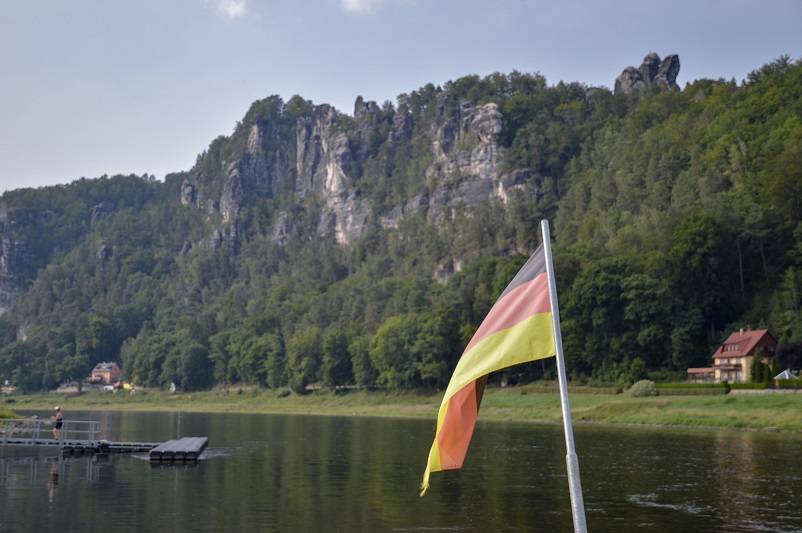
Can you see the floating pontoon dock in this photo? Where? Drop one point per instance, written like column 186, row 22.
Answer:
column 79, row 437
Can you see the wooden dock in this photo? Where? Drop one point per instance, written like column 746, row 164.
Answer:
column 79, row 438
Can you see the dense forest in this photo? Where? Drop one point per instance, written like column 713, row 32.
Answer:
column 676, row 217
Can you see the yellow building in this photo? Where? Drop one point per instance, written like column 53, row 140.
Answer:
column 732, row 362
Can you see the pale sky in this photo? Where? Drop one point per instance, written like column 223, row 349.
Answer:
column 93, row 87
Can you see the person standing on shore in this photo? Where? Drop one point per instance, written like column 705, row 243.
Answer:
column 57, row 426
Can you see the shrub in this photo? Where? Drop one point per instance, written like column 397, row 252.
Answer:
column 643, row 388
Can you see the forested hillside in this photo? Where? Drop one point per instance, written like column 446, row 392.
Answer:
column 312, row 246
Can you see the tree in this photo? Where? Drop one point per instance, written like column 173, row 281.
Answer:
column 701, row 267
column 637, row 371
column 337, row 368
column 219, row 357
column 436, row 348
column 390, row 352
column 594, row 315
column 195, row 373
column 304, row 357
column 789, row 356
column 74, row 368
column 365, row 373
column 275, row 364
column 756, row 370
column 98, row 340
column 786, row 306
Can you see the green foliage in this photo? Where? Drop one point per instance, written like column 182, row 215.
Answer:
column 643, row 389
column 789, row 356
column 304, row 351
column 750, row 386
column 676, row 217
column 337, row 366
column 756, row 370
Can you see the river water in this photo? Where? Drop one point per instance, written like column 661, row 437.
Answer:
column 298, row 473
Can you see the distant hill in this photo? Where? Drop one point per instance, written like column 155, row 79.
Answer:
column 313, row 246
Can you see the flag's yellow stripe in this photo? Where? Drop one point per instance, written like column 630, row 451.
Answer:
column 529, row 340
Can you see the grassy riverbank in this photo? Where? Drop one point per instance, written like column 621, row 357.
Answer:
column 742, row 411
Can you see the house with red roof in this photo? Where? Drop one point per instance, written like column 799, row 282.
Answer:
column 106, row 373
column 732, row 362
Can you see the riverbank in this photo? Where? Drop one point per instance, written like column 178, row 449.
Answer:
column 534, row 402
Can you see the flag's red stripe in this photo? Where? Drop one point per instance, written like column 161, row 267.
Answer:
column 525, row 300
column 455, row 433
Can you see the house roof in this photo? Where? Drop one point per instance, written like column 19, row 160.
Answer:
column 104, row 367
column 744, row 342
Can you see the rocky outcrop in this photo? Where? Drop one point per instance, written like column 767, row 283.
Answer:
column 189, row 193
column 667, row 73
column 12, row 258
column 267, row 163
column 325, row 166
column 96, row 214
column 104, row 250
column 479, row 129
column 466, row 154
column 324, row 159
column 233, row 194
column 653, row 71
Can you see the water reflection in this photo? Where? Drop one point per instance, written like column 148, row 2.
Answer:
column 311, row 473
column 52, row 484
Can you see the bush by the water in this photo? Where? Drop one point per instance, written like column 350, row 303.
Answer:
column 643, row 388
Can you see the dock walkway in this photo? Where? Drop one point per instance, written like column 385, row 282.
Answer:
column 186, row 449
column 79, row 437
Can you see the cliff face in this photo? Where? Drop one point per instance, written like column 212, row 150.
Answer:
column 327, row 154
column 12, row 258
column 12, row 252
column 324, row 154
column 325, row 165
column 320, row 157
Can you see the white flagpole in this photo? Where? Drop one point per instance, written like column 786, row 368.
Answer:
column 574, row 484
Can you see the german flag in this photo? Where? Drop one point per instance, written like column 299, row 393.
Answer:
column 517, row 329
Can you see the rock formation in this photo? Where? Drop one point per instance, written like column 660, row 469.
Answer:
column 329, row 151
column 319, row 158
column 653, row 71
column 12, row 254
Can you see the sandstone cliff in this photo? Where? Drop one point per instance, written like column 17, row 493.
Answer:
column 326, row 161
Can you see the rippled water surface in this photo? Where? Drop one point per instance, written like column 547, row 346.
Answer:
column 315, row 473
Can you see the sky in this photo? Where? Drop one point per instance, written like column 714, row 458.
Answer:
column 104, row 87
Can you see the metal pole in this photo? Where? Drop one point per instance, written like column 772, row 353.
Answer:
column 574, row 484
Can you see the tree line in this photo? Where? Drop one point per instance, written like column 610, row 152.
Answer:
column 676, row 217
